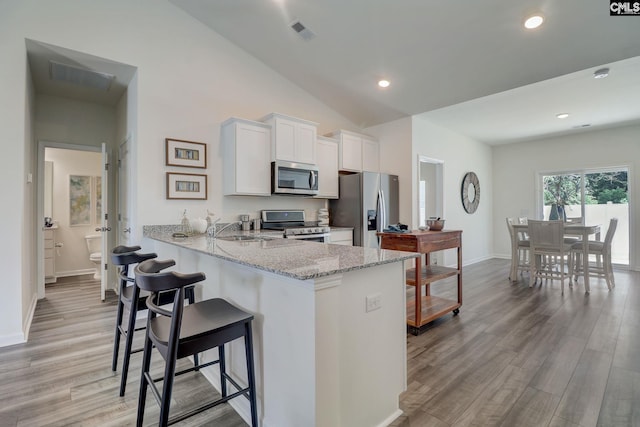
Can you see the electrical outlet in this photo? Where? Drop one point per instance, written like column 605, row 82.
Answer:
column 374, row 302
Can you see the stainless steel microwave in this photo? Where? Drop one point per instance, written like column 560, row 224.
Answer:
column 294, row 178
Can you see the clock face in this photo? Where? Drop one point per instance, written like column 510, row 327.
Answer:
column 470, row 192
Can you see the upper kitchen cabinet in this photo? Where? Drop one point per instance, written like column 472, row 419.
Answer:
column 357, row 152
column 292, row 139
column 246, row 147
column 327, row 162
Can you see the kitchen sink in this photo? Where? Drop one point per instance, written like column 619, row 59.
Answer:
column 245, row 238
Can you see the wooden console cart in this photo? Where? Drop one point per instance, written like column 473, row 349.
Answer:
column 426, row 308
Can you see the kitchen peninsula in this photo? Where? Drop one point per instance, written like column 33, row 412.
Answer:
column 329, row 326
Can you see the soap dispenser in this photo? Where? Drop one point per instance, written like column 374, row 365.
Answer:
column 186, row 225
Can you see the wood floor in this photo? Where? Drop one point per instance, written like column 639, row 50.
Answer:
column 63, row 377
column 515, row 356
column 520, row 356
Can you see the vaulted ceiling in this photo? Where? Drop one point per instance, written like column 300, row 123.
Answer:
column 468, row 65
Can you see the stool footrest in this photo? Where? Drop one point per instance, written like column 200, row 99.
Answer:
column 208, row 406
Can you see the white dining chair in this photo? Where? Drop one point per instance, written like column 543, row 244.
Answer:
column 519, row 250
column 602, row 267
column 547, row 242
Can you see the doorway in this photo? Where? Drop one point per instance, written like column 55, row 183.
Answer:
column 430, row 195
column 72, row 200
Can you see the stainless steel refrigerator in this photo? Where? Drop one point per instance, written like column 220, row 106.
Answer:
column 369, row 203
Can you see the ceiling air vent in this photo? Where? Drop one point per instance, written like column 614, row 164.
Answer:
column 302, row 31
column 80, row 76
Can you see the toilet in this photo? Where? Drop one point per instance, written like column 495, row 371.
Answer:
column 94, row 246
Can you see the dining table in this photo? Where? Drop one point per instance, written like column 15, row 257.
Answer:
column 570, row 229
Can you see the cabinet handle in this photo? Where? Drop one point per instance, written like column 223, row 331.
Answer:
column 127, row 230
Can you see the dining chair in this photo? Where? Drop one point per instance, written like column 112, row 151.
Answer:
column 575, row 220
column 602, row 250
column 547, row 241
column 519, row 250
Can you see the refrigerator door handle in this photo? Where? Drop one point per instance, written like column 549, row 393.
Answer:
column 381, row 211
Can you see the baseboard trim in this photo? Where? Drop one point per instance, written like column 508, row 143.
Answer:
column 26, row 327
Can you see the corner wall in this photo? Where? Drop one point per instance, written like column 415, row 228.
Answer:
column 460, row 155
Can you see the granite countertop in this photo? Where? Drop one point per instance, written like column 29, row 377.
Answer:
column 334, row 228
column 288, row 257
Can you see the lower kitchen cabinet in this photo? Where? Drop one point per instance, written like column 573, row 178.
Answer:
column 341, row 237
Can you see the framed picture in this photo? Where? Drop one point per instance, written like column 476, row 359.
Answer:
column 79, row 200
column 186, row 186
column 186, row 153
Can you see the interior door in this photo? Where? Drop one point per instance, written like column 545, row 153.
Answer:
column 124, row 216
column 104, row 200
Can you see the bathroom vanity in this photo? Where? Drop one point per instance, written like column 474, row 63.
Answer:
column 329, row 327
column 49, row 254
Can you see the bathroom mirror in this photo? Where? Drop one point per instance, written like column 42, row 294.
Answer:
column 48, row 189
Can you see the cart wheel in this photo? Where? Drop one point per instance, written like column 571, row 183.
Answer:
column 456, row 311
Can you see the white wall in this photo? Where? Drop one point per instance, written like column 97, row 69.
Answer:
column 72, row 258
column 515, row 169
column 395, row 153
column 189, row 80
column 460, row 155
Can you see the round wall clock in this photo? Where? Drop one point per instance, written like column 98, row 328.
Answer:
column 470, row 192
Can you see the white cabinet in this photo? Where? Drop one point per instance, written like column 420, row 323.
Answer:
column 327, row 162
column 370, row 155
column 341, row 237
column 357, row 152
column 292, row 139
column 246, row 148
column 49, row 255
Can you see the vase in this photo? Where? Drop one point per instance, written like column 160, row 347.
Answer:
column 557, row 212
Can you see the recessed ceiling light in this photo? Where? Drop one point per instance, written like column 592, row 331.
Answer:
column 601, row 73
column 533, row 21
column 562, row 115
column 384, row 83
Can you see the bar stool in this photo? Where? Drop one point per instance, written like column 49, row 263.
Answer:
column 124, row 257
column 186, row 330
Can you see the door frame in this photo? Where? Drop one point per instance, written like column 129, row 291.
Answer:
column 39, row 235
column 539, row 200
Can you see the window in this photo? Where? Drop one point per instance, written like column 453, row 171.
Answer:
column 590, row 197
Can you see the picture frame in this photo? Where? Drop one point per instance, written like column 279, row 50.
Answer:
column 185, row 153
column 186, row 186
column 79, row 200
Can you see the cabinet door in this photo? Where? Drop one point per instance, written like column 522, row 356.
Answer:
column 305, row 147
column 327, row 161
column 370, row 155
column 284, row 140
column 350, row 153
column 252, row 166
column 342, row 237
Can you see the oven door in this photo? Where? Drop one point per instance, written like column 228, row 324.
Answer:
column 294, row 178
column 322, row 237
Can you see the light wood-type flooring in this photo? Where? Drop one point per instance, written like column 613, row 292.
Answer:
column 515, row 356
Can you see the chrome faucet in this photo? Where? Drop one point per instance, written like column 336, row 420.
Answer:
column 213, row 232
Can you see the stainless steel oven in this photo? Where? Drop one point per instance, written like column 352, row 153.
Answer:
column 322, row 237
column 294, row 226
column 294, row 178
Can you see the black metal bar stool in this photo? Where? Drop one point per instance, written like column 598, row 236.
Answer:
column 124, row 257
column 186, row 330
